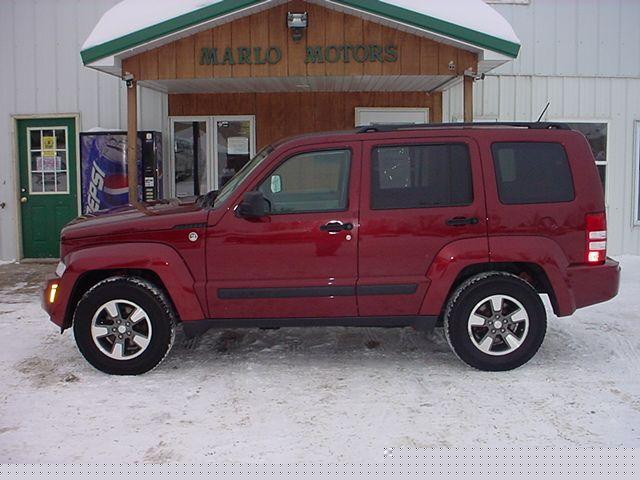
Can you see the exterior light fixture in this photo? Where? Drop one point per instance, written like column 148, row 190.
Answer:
column 297, row 22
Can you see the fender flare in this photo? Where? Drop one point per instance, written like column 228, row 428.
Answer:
column 545, row 253
column 447, row 265
column 458, row 255
column 161, row 259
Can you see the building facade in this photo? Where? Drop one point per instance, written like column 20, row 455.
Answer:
column 220, row 91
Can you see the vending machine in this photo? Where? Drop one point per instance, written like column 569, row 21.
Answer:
column 103, row 163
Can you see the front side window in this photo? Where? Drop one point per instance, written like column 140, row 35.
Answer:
column 309, row 182
column 420, row 176
column 532, row 172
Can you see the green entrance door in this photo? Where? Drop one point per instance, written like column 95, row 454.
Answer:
column 48, row 183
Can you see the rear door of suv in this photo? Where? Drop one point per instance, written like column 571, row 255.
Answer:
column 539, row 183
column 417, row 195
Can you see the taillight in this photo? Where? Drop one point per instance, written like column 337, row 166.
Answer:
column 596, row 242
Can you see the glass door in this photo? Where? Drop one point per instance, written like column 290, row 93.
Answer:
column 189, row 154
column 234, row 145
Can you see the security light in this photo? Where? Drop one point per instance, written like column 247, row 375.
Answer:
column 297, row 22
column 128, row 78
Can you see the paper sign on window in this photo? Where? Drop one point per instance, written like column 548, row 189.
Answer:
column 48, row 164
column 48, row 146
column 238, row 146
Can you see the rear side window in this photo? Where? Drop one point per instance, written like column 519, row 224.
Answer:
column 420, row 176
column 532, row 172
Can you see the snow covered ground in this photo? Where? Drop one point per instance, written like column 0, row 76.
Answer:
column 328, row 395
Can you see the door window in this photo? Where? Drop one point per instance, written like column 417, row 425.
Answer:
column 420, row 176
column 309, row 182
column 233, row 147
column 48, row 160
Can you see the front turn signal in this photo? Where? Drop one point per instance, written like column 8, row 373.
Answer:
column 53, row 291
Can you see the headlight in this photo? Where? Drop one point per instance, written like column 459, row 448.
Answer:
column 60, row 269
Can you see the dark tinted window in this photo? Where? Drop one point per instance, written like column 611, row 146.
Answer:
column 532, row 173
column 419, row 176
column 310, row 182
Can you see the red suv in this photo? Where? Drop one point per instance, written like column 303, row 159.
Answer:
column 388, row 226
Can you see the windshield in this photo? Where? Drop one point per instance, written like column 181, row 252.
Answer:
column 238, row 178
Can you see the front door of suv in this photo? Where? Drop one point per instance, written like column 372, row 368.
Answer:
column 299, row 261
column 417, row 196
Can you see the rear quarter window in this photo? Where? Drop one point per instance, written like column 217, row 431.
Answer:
column 532, row 172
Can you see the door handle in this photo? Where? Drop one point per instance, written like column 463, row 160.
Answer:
column 24, row 199
column 335, row 226
column 461, row 221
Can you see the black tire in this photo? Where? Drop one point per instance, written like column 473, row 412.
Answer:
column 472, row 292
column 159, row 313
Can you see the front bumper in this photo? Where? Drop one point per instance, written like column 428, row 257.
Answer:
column 56, row 305
column 591, row 284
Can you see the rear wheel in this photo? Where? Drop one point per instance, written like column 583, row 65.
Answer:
column 495, row 321
column 124, row 326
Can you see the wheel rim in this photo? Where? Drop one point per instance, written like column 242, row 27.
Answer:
column 121, row 329
column 498, row 325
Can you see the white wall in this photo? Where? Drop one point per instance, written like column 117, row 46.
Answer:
column 612, row 100
column 583, row 56
column 575, row 38
column 42, row 74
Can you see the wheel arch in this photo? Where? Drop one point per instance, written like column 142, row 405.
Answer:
column 158, row 264
column 538, row 259
column 92, row 277
column 530, row 272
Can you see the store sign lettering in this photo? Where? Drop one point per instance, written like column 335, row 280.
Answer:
column 356, row 53
column 273, row 55
column 240, row 56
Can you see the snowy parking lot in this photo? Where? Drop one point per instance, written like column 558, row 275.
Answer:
column 331, row 395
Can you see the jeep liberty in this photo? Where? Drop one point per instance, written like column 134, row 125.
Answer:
column 459, row 225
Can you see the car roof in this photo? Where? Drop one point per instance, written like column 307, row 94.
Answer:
column 370, row 131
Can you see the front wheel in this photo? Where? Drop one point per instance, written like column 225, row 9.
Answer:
column 495, row 321
column 124, row 326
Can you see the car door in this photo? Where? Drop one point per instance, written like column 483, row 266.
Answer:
column 416, row 197
column 300, row 260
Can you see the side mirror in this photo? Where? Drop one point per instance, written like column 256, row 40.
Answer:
column 253, row 205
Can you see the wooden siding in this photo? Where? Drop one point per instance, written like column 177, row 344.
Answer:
column 280, row 115
column 181, row 59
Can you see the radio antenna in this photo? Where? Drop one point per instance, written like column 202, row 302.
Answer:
column 544, row 111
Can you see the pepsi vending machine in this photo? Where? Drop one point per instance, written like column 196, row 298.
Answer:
column 103, row 160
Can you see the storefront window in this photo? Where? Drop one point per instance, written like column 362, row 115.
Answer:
column 596, row 134
column 190, row 157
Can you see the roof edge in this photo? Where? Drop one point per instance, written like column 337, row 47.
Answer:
column 226, row 7
column 165, row 28
column 436, row 25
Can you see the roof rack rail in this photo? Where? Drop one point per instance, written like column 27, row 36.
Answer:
column 419, row 126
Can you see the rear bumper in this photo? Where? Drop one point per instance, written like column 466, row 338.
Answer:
column 591, row 284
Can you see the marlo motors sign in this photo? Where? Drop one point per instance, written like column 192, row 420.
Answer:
column 314, row 54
